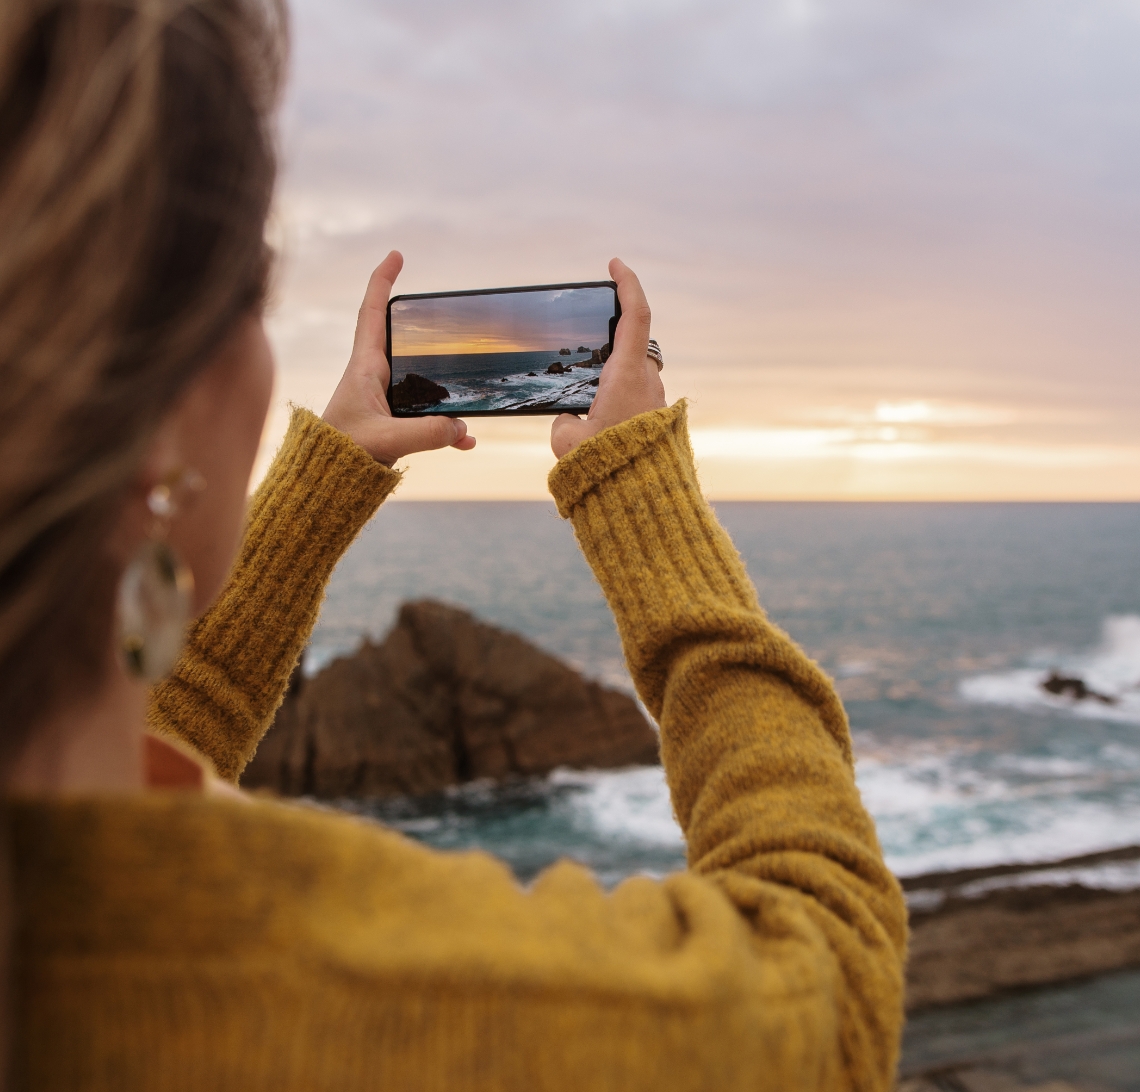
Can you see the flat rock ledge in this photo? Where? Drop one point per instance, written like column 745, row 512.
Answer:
column 442, row 700
column 974, row 943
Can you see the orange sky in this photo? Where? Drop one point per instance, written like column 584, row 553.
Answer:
column 502, row 322
column 892, row 250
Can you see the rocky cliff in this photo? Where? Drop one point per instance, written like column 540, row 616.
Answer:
column 442, row 700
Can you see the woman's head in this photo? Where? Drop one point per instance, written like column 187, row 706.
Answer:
column 136, row 171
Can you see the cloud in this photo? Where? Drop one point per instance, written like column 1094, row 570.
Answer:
column 869, row 203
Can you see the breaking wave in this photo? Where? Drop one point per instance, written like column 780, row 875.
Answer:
column 1110, row 673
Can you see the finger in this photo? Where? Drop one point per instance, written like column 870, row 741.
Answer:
column 412, row 434
column 567, row 432
column 371, row 331
column 631, row 339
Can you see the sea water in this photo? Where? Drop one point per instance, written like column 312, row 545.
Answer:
column 938, row 622
column 493, row 382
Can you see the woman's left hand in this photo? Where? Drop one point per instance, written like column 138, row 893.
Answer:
column 359, row 405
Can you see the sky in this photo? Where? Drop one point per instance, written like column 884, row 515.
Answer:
column 508, row 322
column 892, row 248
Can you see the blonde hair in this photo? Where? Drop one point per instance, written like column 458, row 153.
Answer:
column 136, row 169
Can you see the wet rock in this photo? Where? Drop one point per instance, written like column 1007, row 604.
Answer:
column 416, row 392
column 556, row 369
column 565, row 352
column 442, row 700
column 973, row 943
column 531, row 374
column 1074, row 687
column 583, row 348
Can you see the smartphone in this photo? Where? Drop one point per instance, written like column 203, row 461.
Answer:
column 500, row 352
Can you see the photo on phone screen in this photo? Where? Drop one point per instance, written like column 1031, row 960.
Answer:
column 500, row 352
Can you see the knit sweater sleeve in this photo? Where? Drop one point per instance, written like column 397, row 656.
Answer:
column 754, row 739
column 225, row 689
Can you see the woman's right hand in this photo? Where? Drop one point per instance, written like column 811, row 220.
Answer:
column 359, row 405
column 630, row 382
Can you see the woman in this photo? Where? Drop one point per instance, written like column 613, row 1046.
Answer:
column 166, row 931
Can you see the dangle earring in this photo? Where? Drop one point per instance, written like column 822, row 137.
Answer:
column 156, row 589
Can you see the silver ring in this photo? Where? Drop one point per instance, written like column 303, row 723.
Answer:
column 654, row 350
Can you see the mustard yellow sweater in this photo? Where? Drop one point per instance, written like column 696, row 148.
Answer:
column 174, row 940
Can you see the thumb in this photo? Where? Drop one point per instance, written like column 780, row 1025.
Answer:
column 412, row 434
column 568, row 431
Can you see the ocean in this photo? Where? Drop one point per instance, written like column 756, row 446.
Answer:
column 938, row 621
column 493, row 382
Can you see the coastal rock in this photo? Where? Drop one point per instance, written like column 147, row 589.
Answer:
column 556, row 369
column 565, row 352
column 978, row 940
column 442, row 700
column 1074, row 687
column 530, row 374
column 583, row 349
column 416, row 392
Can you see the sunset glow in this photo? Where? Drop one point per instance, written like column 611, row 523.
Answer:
column 892, row 251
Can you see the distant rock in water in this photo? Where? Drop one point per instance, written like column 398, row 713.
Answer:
column 597, row 357
column 583, row 348
column 1074, row 687
column 531, row 374
column 556, row 369
column 565, row 352
column 415, row 392
column 444, row 699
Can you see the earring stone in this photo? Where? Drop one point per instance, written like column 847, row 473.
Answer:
column 154, row 610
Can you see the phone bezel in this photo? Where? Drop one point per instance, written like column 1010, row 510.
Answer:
column 485, row 292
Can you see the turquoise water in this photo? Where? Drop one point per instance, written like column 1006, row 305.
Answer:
column 494, row 382
column 937, row 620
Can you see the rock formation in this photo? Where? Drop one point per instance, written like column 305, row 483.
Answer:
column 972, row 943
column 416, row 392
column 442, row 700
column 556, row 369
column 583, row 348
column 1074, row 687
column 565, row 352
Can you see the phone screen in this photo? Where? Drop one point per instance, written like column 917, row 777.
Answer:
column 500, row 352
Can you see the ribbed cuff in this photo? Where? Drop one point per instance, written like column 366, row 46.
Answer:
column 598, row 458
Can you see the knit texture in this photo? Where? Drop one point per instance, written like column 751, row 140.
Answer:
column 170, row 940
column 319, row 492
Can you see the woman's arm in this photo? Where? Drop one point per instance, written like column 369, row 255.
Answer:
column 753, row 738
column 327, row 481
column 225, row 689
